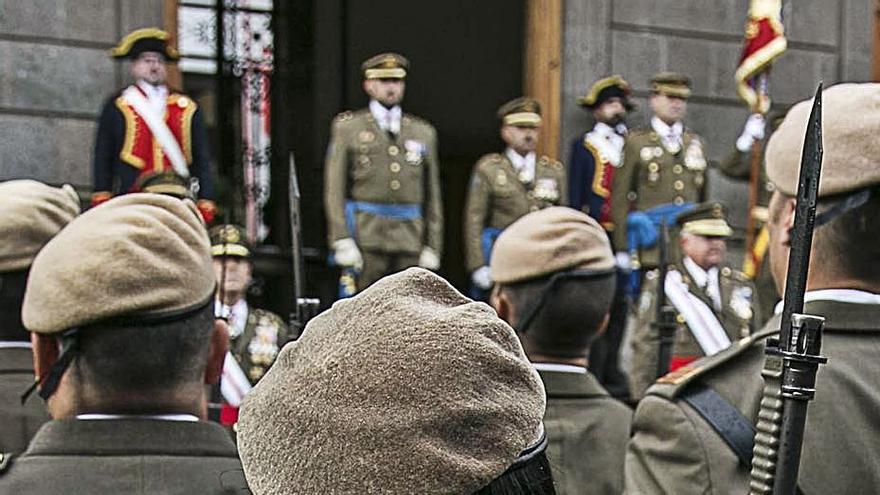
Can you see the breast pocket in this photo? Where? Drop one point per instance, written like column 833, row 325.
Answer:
column 364, row 158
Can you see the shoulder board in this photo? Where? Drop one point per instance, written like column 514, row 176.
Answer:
column 672, row 384
column 639, row 132
column 346, row 116
column 412, row 119
column 5, row 461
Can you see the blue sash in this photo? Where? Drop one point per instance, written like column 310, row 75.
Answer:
column 643, row 230
column 396, row 211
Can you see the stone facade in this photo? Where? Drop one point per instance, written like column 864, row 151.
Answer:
column 54, row 75
column 829, row 41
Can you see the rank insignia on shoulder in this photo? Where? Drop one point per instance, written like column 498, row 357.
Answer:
column 679, row 375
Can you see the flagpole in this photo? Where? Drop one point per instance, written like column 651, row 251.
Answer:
column 762, row 87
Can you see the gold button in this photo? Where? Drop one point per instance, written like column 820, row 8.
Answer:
column 678, row 185
column 678, row 168
column 364, row 159
column 393, row 150
column 680, row 319
column 678, row 200
column 395, row 185
column 653, row 167
column 395, row 167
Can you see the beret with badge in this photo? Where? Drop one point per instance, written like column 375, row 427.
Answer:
column 33, row 213
column 521, row 112
column 408, row 387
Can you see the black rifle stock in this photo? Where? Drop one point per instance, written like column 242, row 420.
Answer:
column 793, row 359
column 304, row 307
column 664, row 319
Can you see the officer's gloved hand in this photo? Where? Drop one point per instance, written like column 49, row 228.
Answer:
column 752, row 131
column 428, row 259
column 482, row 277
column 346, row 253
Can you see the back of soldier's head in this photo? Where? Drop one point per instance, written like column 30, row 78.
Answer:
column 126, row 287
column 32, row 213
column 848, row 213
column 556, row 269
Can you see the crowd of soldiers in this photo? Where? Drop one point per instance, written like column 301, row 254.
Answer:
column 158, row 376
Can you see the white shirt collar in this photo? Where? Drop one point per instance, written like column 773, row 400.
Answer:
column 237, row 316
column 561, row 368
column 664, row 129
column 388, row 119
column 707, row 279
column 524, row 165
column 15, row 345
column 156, row 95
column 608, row 142
column 603, row 129
column 839, row 295
column 163, row 417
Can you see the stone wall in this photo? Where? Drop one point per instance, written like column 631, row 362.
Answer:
column 54, row 76
column 830, row 41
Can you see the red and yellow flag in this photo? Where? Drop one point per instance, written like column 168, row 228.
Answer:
column 764, row 41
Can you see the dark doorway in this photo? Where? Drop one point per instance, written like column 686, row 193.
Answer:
column 466, row 61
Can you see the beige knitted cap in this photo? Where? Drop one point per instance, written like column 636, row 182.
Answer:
column 408, row 387
column 136, row 254
column 548, row 241
column 850, row 126
column 31, row 213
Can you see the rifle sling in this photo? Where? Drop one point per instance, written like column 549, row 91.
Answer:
column 736, row 431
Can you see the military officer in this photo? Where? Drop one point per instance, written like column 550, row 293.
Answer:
column 382, row 181
column 255, row 335
column 148, row 129
column 713, row 303
column 675, row 448
column 506, row 186
column 119, row 306
column 662, row 164
column 554, row 283
column 408, row 388
column 595, row 156
column 32, row 214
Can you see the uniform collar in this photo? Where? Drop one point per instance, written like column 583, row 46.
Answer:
column 15, row 345
column 851, row 296
column 160, row 417
column 388, row 119
column 524, row 165
column 560, row 368
column 564, row 384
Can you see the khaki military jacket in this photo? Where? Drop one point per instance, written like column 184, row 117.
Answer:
column 674, row 450
column 259, row 344
column 652, row 175
column 587, row 431
column 18, row 423
column 133, row 456
column 738, row 316
column 364, row 163
column 498, row 197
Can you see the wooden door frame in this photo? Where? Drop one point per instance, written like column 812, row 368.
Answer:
column 542, row 67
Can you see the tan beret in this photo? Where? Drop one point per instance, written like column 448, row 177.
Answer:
column 408, row 387
column 137, row 254
column 547, row 241
column 850, row 126
column 32, row 213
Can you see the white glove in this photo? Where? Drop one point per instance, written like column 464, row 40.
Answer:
column 429, row 259
column 623, row 260
column 752, row 131
column 482, row 277
column 346, row 253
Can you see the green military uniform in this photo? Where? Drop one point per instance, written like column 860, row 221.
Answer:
column 499, row 194
column 372, row 174
column 655, row 172
column 582, row 420
column 18, row 422
column 736, row 313
column 133, row 456
column 674, row 450
column 255, row 335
